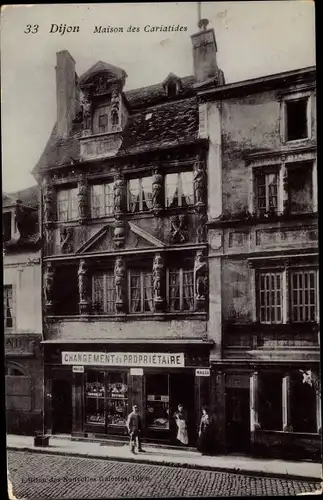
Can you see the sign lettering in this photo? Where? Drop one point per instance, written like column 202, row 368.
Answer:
column 134, row 359
column 202, row 372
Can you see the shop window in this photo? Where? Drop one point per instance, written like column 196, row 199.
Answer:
column 140, row 291
column 157, row 401
column 303, row 404
column 140, row 194
column 180, row 289
column 296, row 119
column 300, row 188
column 117, row 399
column 269, row 295
column 6, row 226
column 179, row 189
column 103, row 293
column 304, row 295
column 270, row 401
column 67, row 207
column 8, row 306
column 94, row 398
column 266, row 192
column 102, row 197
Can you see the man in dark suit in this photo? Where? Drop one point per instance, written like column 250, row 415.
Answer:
column 134, row 429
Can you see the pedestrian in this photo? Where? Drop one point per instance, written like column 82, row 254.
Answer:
column 206, row 442
column 180, row 417
column 134, row 429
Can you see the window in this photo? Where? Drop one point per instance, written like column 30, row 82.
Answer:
column 101, row 120
column 270, row 401
column 67, row 208
column 296, row 119
column 94, row 398
column 266, row 194
column 157, row 404
column 171, row 89
column 270, row 297
column 117, row 399
column 140, row 291
column 181, row 288
column 103, row 293
column 300, row 188
column 8, row 306
column 179, row 189
column 140, row 194
column 303, row 295
column 102, row 199
column 6, row 226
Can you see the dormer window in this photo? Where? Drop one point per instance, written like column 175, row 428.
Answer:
column 101, row 120
column 171, row 89
column 172, row 85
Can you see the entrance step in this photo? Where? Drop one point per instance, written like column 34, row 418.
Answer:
column 120, row 441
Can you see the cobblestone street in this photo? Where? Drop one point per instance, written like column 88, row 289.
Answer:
column 40, row 476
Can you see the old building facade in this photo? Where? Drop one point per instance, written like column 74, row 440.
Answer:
column 179, row 227
column 263, row 235
column 22, row 312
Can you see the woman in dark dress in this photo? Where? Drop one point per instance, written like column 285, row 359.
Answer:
column 205, row 443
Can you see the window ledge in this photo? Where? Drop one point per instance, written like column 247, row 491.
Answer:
column 167, row 316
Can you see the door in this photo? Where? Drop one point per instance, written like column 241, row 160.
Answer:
column 182, row 392
column 62, row 406
column 238, row 420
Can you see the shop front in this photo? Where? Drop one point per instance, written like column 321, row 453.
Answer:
column 90, row 389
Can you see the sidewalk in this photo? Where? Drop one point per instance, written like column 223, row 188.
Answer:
column 172, row 457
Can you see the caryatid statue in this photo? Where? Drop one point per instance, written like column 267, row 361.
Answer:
column 119, row 281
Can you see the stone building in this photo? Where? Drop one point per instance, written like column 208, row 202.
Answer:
column 263, row 255
column 180, row 255
column 125, row 269
column 22, row 312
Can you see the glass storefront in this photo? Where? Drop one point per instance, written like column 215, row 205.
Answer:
column 157, row 398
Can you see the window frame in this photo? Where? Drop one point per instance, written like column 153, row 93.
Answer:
column 104, row 275
column 269, row 273
column 294, row 271
column 267, row 171
column 141, row 194
column 179, row 188
column 181, row 272
column 142, row 272
column 296, row 96
column 103, row 197
column 13, row 307
column 307, row 165
column 69, row 200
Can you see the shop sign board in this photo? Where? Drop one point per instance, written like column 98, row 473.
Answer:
column 202, row 372
column 131, row 359
column 136, row 371
column 78, row 369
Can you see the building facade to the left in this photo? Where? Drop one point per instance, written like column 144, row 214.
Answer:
column 22, row 312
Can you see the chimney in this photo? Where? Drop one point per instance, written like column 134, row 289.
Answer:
column 204, row 55
column 65, row 92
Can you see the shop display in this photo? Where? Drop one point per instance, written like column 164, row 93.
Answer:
column 157, row 416
column 117, row 403
column 94, row 399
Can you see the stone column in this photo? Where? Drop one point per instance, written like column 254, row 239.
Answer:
column 158, row 282
column 254, row 387
column 286, row 404
column 200, row 280
column 49, row 275
column 120, row 283
column 83, row 200
column 157, row 192
column 83, row 285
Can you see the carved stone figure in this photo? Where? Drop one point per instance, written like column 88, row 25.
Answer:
column 179, row 228
column 82, row 198
column 66, row 239
column 158, row 274
column 83, row 287
column 119, row 233
column 119, row 281
column 157, row 191
column 119, row 193
column 199, row 182
column 115, row 107
column 200, row 271
column 201, row 233
column 48, row 286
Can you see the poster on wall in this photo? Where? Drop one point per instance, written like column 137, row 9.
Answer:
column 160, row 249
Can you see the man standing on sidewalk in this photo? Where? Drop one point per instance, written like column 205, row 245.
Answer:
column 134, row 429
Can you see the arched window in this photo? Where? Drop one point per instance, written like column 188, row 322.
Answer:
column 14, row 370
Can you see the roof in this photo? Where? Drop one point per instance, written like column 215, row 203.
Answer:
column 102, row 67
column 28, row 196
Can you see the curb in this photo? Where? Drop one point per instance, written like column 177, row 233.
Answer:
column 229, row 470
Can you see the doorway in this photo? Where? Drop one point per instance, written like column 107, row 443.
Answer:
column 238, row 420
column 182, row 391
column 61, row 406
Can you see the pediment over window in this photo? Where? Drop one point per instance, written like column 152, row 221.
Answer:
column 107, row 239
column 105, row 71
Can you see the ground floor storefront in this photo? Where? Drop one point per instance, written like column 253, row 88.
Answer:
column 91, row 388
column 268, row 410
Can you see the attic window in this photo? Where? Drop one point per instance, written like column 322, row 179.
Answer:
column 171, row 89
